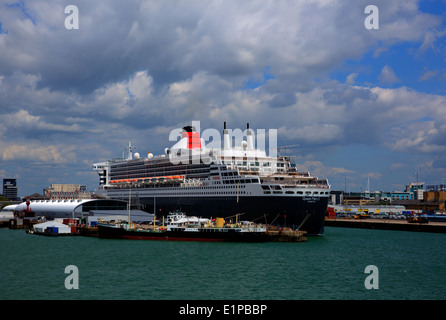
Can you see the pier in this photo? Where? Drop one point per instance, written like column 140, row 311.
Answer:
column 275, row 234
column 287, row 236
column 17, row 223
column 387, row 224
column 88, row 231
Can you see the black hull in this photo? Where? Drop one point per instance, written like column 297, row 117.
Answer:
column 306, row 214
column 209, row 236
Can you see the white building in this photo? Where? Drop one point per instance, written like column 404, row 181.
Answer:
column 61, row 228
column 81, row 208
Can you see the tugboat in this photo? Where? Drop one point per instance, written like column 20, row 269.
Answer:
column 180, row 227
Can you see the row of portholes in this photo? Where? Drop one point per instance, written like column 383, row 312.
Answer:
column 307, row 193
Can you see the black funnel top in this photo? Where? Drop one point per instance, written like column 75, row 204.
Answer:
column 189, row 129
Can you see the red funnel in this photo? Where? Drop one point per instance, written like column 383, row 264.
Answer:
column 193, row 139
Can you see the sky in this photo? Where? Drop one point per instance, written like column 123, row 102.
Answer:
column 363, row 104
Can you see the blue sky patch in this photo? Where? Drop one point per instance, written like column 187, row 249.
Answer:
column 2, row 31
column 23, row 9
column 255, row 83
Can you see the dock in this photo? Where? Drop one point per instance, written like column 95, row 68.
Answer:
column 4, row 223
column 287, row 236
column 17, row 223
column 387, row 224
column 88, row 231
column 274, row 234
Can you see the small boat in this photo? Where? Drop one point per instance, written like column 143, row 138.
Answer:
column 180, row 227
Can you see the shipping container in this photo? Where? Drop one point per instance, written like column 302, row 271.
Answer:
column 69, row 221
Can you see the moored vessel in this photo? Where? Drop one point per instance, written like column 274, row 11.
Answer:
column 180, row 227
column 205, row 181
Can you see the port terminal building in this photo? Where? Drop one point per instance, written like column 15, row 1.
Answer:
column 104, row 209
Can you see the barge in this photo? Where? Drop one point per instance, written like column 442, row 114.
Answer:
column 180, row 227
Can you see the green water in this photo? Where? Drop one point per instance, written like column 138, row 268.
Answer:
column 411, row 266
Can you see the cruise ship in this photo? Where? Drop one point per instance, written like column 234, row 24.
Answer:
column 218, row 182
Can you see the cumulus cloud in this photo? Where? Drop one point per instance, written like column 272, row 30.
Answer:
column 388, row 76
column 418, row 137
column 24, row 121
column 176, row 39
column 428, row 75
column 136, row 70
column 351, row 78
column 50, row 154
column 319, row 169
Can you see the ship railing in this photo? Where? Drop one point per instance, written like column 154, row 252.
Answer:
column 192, row 183
column 140, row 182
column 304, row 186
column 287, row 182
column 298, row 185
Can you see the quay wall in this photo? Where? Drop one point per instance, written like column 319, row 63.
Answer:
column 387, row 224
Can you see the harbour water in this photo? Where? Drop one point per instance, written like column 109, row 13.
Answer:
column 410, row 265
